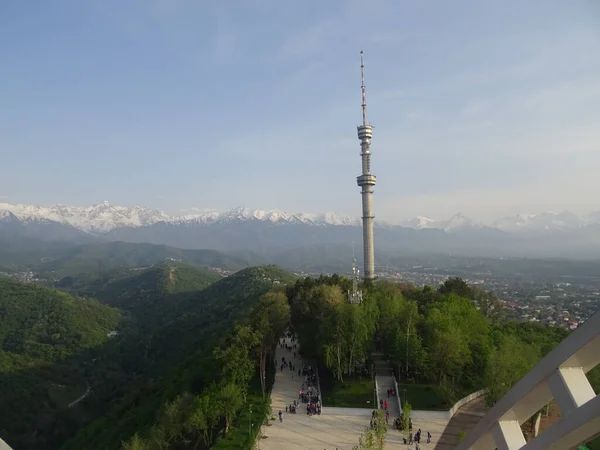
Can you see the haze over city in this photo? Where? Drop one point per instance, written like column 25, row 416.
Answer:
column 486, row 110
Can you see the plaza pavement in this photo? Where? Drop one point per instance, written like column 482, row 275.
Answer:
column 329, row 431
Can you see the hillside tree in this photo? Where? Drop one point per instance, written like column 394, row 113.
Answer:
column 236, row 358
column 230, row 397
column 271, row 318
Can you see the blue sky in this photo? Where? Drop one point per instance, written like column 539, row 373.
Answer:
column 483, row 107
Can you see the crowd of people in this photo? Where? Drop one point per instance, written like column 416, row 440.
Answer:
column 309, row 391
column 308, row 394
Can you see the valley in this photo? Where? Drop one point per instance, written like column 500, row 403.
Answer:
column 547, row 289
column 127, row 332
column 167, row 318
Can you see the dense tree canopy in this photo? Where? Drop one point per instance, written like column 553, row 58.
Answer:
column 193, row 351
column 47, row 324
column 47, row 341
column 453, row 336
column 170, row 322
column 196, row 418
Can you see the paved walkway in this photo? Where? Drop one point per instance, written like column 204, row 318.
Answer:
column 327, row 431
column 464, row 419
column 385, row 382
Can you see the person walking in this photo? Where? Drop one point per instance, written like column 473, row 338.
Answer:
column 428, row 437
column 280, row 416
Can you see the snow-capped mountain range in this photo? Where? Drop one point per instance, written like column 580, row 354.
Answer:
column 104, row 217
column 520, row 223
column 458, row 222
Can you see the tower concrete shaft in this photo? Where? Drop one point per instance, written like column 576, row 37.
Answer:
column 366, row 181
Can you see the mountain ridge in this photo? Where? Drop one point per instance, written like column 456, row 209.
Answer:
column 267, row 237
column 103, row 218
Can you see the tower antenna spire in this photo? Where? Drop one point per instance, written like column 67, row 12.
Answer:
column 363, row 89
column 366, row 181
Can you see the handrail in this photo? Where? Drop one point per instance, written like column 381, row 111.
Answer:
column 397, row 393
column 560, row 376
column 446, row 414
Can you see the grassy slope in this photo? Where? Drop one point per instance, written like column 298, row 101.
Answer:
column 352, row 393
column 424, row 396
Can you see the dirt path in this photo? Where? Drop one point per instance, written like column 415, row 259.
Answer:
column 81, row 397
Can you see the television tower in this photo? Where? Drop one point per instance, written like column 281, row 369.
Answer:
column 366, row 181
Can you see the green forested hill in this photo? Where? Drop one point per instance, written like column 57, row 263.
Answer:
column 132, row 289
column 182, row 330
column 55, row 349
column 47, row 324
column 221, row 303
column 179, row 354
column 46, row 339
column 115, row 255
column 58, row 260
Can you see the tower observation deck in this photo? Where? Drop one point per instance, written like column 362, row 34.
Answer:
column 366, row 181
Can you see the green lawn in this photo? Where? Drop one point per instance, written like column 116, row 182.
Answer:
column 423, row 396
column 349, row 394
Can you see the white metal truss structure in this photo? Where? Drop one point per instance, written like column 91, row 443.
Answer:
column 355, row 294
column 561, row 376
